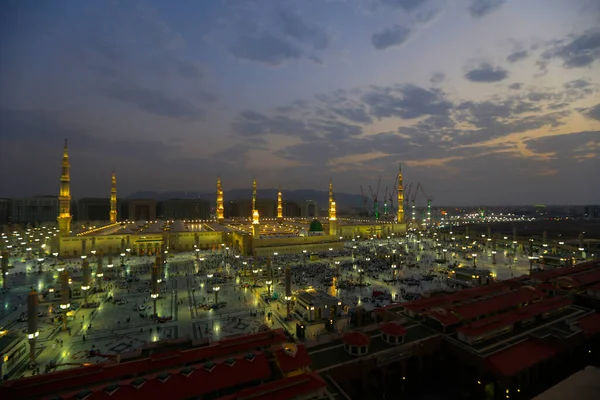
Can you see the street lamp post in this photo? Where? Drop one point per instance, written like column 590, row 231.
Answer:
column 32, row 324
column 445, row 251
column 216, row 290
column 269, row 283
column 474, row 260
column 531, row 258
column 64, row 296
column 494, row 257
column 99, row 272
column 85, row 284
column 154, row 289
column 40, row 263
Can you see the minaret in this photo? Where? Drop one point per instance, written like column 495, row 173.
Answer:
column 330, row 192
column 400, row 200
column 279, row 206
column 255, row 216
column 332, row 212
column 254, row 195
column 113, row 199
column 220, row 207
column 64, row 198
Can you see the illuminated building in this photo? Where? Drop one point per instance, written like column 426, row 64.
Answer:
column 113, row 199
column 400, row 200
column 220, row 207
column 64, row 198
column 279, row 206
column 139, row 232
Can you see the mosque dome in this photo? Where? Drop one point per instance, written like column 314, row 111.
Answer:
column 316, row 226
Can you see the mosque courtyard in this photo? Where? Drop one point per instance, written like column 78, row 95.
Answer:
column 191, row 307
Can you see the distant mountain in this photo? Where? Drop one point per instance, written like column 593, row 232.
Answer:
column 343, row 200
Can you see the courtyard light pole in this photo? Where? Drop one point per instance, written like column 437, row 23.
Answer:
column 65, row 293
column 85, row 284
column 40, row 263
column 154, row 288
column 216, row 290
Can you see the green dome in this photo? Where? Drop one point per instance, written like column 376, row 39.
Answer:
column 316, row 226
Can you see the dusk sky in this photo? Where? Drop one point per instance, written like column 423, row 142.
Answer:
column 482, row 101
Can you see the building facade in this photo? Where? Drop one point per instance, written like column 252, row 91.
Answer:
column 34, row 210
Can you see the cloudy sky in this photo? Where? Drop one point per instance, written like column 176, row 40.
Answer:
column 482, row 101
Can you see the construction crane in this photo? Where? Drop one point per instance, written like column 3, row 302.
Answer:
column 374, row 197
column 385, row 202
column 429, row 200
column 392, row 193
column 427, row 219
column 407, row 201
column 364, row 200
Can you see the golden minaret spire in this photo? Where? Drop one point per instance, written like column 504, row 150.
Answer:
column 64, row 198
column 220, row 207
column 332, row 212
column 255, row 215
column 330, row 192
column 400, row 200
column 113, row 199
column 254, row 195
column 279, row 206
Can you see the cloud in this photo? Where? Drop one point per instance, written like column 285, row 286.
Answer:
column 265, row 47
column 207, row 97
column 481, row 8
column 388, row 37
column 566, row 144
column 251, row 123
column 155, row 102
column 406, row 101
column 270, row 33
column 404, row 5
column 515, row 86
column 576, row 52
column 437, row 77
column 487, row 73
column 593, row 112
column 295, row 27
column 355, row 114
column 517, row 56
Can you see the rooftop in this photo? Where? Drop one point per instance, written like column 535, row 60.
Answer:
column 521, row 356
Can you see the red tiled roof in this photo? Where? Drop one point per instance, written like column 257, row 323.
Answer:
column 555, row 273
column 427, row 303
column 508, row 319
column 289, row 361
column 110, row 371
column 443, row 316
column 587, row 278
column 501, row 302
column 590, row 324
column 356, row 339
column 283, row 389
column 519, row 357
column 178, row 386
column 594, row 287
column 393, row 329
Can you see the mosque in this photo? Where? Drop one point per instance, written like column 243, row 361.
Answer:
column 251, row 236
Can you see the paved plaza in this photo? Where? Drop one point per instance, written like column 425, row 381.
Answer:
column 123, row 319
